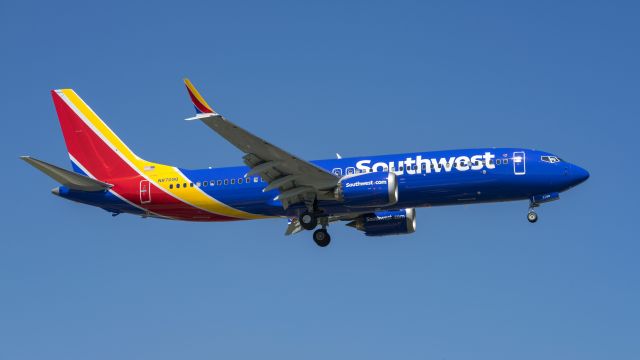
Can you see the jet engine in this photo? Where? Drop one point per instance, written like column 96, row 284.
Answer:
column 383, row 223
column 368, row 189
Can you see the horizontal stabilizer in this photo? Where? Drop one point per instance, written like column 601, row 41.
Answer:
column 67, row 178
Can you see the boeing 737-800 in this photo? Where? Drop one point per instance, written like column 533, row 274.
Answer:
column 374, row 194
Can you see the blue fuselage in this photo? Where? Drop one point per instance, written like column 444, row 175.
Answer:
column 441, row 178
column 424, row 179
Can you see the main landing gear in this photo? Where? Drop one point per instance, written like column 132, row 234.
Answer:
column 321, row 237
column 309, row 221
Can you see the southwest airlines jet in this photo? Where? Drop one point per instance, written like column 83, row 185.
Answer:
column 374, row 194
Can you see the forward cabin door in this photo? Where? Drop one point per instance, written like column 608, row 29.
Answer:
column 519, row 167
column 145, row 192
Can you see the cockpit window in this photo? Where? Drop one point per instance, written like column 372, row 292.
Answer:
column 550, row 159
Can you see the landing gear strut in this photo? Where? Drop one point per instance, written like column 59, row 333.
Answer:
column 532, row 216
column 309, row 220
column 321, row 236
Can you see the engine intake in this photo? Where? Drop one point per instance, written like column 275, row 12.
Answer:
column 386, row 222
column 368, row 189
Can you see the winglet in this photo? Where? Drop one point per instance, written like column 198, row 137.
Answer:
column 198, row 101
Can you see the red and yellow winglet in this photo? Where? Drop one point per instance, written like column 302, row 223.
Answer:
column 198, row 101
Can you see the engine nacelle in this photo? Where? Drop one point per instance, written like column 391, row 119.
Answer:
column 368, row 189
column 387, row 222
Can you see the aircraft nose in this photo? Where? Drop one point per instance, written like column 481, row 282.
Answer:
column 579, row 175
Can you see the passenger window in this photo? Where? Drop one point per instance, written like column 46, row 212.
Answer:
column 190, row 184
column 177, row 186
column 505, row 161
column 233, row 181
column 170, row 186
column 226, row 181
column 219, row 182
column 184, row 185
column 198, row 184
column 205, row 183
column 499, row 162
column 240, row 181
column 255, row 179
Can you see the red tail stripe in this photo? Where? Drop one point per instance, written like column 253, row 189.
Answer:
column 103, row 163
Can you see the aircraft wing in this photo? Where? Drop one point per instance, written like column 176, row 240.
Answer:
column 297, row 180
column 67, row 178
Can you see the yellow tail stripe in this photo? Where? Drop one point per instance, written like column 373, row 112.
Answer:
column 153, row 171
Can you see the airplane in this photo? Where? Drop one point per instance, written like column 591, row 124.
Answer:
column 376, row 195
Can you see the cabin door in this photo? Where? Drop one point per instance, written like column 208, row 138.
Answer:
column 519, row 167
column 145, row 192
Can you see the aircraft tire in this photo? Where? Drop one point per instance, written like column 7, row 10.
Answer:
column 532, row 216
column 321, row 237
column 308, row 221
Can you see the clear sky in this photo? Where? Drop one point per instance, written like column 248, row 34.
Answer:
column 316, row 78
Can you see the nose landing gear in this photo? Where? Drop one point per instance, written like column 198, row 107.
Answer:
column 532, row 216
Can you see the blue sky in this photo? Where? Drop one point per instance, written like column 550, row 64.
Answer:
column 474, row 282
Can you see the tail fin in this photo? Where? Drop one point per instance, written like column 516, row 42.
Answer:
column 94, row 149
column 198, row 101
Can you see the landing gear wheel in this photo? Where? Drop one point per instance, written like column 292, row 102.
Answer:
column 308, row 221
column 532, row 216
column 321, row 237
